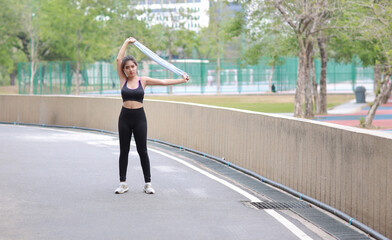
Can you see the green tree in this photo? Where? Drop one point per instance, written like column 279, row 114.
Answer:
column 304, row 20
column 124, row 22
column 263, row 40
column 27, row 31
column 21, row 37
column 367, row 26
column 377, row 29
column 80, row 30
column 213, row 40
column 9, row 54
column 170, row 38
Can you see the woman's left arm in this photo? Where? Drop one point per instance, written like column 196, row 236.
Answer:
column 165, row 82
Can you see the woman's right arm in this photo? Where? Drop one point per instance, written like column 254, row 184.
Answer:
column 120, row 56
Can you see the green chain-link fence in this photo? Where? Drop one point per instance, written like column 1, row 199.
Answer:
column 60, row 77
column 101, row 77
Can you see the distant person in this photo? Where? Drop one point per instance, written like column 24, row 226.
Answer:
column 132, row 118
column 210, row 79
column 273, row 89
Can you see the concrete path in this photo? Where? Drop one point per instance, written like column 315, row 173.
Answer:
column 59, row 184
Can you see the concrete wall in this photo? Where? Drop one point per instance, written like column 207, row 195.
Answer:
column 347, row 168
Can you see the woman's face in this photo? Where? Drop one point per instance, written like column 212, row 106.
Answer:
column 130, row 68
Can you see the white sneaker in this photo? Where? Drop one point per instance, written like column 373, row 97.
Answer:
column 122, row 188
column 148, row 189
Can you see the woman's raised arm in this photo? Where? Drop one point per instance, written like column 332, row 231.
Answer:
column 165, row 82
column 120, row 56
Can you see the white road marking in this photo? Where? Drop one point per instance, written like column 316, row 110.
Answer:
column 290, row 226
column 227, row 184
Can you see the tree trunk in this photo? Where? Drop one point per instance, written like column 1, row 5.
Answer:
column 372, row 111
column 32, row 67
column 78, row 57
column 315, row 87
column 387, row 94
column 307, row 82
column 298, row 110
column 323, row 75
column 77, row 69
column 270, row 78
column 13, row 76
column 377, row 77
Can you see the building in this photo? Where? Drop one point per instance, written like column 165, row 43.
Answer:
column 188, row 14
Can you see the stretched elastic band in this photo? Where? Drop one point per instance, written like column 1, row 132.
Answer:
column 158, row 59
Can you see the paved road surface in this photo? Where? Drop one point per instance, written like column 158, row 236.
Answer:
column 59, row 184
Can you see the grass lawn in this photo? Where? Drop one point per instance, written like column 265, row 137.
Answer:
column 9, row 89
column 269, row 103
column 259, row 103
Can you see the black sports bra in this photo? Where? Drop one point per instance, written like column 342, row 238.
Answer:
column 132, row 94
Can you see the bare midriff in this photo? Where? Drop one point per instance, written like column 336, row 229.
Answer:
column 132, row 104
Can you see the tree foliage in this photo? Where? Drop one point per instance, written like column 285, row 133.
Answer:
column 372, row 30
column 93, row 30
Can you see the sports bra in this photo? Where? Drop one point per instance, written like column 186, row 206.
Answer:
column 132, row 94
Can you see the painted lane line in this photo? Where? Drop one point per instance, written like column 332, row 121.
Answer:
column 227, row 184
column 289, row 225
column 286, row 223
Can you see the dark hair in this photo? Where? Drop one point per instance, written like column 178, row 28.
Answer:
column 126, row 59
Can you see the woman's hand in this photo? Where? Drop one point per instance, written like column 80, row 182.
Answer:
column 130, row 40
column 185, row 77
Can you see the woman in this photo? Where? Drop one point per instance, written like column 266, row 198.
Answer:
column 132, row 118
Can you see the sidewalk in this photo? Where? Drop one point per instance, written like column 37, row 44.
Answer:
column 350, row 113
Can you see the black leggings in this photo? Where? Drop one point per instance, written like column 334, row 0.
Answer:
column 133, row 120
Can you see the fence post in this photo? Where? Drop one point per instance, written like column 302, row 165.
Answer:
column 60, row 74
column 353, row 74
column 202, row 70
column 258, row 74
column 34, row 79
column 50, row 77
column 68, row 83
column 94, row 78
column 101, row 77
column 19, row 78
column 40, row 78
column 85, row 76
column 239, row 76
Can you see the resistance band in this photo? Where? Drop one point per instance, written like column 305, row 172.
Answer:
column 158, row 59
